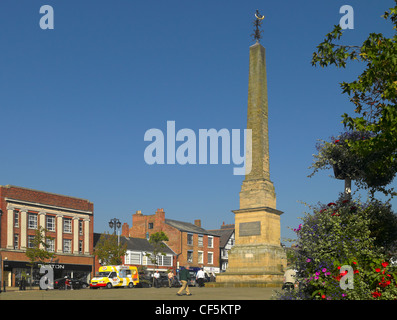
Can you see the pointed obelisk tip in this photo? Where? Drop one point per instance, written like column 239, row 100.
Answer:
column 257, row 25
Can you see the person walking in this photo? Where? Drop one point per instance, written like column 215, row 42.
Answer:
column 200, row 277
column 184, row 276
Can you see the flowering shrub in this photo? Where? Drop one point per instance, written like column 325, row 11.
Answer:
column 345, row 233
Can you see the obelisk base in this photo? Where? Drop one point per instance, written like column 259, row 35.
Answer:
column 256, row 265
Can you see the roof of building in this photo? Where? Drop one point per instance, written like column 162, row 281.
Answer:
column 188, row 227
column 136, row 244
column 224, row 234
column 9, row 186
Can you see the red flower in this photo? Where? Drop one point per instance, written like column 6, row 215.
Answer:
column 356, row 271
column 376, row 294
column 385, row 264
column 336, row 141
column 377, row 270
column 354, row 262
column 323, row 296
column 331, row 204
column 339, row 268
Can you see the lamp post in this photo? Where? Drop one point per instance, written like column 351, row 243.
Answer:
column 115, row 224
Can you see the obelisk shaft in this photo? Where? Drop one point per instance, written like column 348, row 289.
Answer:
column 257, row 115
column 257, row 189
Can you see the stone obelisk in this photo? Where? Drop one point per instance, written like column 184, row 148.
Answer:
column 257, row 259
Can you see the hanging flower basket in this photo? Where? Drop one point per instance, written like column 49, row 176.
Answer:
column 339, row 173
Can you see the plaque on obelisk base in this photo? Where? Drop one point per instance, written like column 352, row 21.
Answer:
column 257, row 258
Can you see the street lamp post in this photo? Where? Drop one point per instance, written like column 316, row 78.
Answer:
column 115, row 224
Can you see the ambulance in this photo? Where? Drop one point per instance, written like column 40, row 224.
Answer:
column 115, row 276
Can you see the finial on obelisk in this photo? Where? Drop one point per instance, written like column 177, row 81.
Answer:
column 257, row 24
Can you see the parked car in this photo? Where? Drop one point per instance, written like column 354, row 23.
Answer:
column 74, row 283
column 145, row 281
column 164, row 281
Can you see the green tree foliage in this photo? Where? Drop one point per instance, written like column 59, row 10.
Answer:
column 374, row 95
column 156, row 240
column 108, row 250
column 38, row 252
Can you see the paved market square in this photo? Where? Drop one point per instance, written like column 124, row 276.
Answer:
column 222, row 293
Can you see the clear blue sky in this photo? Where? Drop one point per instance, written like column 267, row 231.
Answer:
column 76, row 101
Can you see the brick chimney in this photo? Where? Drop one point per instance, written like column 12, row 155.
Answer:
column 160, row 217
column 125, row 230
column 197, row 223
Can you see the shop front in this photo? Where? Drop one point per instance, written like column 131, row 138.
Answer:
column 15, row 271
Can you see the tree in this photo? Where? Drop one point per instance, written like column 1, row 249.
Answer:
column 374, row 95
column 108, row 250
column 156, row 240
column 38, row 252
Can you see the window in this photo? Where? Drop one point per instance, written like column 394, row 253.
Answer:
column 190, row 256
column 167, row 261
column 16, row 241
column 67, row 246
column 50, row 245
column 67, row 225
column 200, row 240
column 210, row 257
column 50, row 223
column 16, row 219
column 132, row 257
column 210, row 242
column 32, row 221
column 189, row 239
column 30, row 241
column 200, row 257
column 150, row 225
column 80, row 246
column 164, row 260
column 81, row 227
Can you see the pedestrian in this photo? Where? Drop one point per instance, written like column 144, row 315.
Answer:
column 184, row 276
column 156, row 278
column 200, row 277
column 170, row 278
column 67, row 283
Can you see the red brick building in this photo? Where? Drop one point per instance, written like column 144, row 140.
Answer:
column 69, row 222
column 192, row 244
